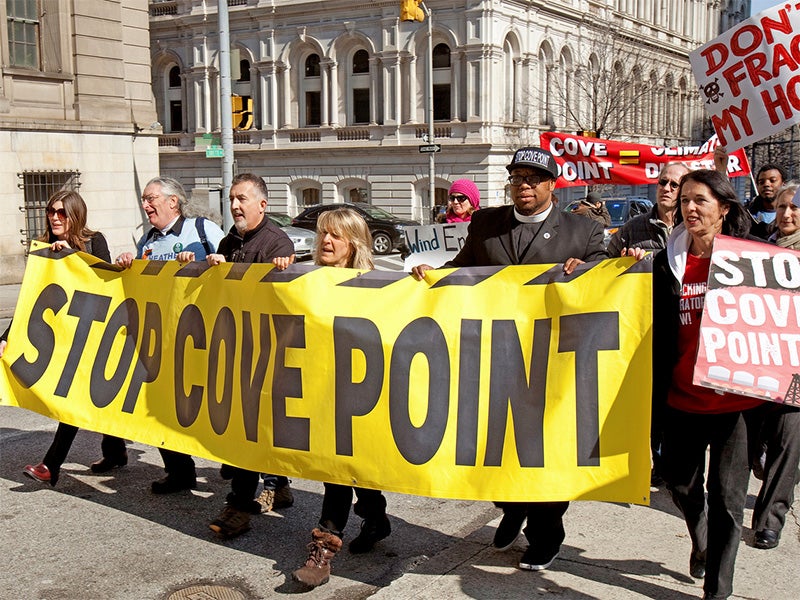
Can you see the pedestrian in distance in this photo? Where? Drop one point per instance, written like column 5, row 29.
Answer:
column 697, row 419
column 593, row 207
column 164, row 201
column 343, row 240
column 66, row 229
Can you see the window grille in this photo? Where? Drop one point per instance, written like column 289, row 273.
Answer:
column 37, row 187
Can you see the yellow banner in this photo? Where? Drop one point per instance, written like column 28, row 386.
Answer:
column 491, row 383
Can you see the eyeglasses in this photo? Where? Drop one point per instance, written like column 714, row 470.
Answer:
column 150, row 199
column 531, row 180
column 459, row 199
column 673, row 185
column 51, row 212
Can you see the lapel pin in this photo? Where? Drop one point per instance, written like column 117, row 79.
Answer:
column 547, row 235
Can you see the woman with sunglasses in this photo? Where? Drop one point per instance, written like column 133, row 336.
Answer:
column 343, row 240
column 463, row 199
column 66, row 228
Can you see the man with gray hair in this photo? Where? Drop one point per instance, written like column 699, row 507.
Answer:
column 164, row 201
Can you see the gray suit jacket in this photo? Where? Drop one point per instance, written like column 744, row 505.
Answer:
column 491, row 241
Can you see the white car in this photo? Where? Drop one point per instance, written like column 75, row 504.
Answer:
column 303, row 239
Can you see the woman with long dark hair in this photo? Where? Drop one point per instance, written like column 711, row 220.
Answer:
column 66, row 228
column 697, row 419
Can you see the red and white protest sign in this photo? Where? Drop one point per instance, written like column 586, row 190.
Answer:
column 591, row 161
column 749, row 77
column 750, row 330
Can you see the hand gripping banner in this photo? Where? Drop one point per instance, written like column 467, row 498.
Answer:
column 492, row 383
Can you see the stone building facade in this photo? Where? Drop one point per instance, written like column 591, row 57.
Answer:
column 76, row 110
column 332, row 94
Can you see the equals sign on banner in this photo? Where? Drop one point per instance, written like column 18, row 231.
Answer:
column 629, row 157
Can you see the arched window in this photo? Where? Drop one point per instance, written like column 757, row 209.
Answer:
column 441, row 56
column 312, row 65
column 173, row 100
column 360, row 62
column 312, row 87
column 244, row 70
column 545, row 86
column 442, row 109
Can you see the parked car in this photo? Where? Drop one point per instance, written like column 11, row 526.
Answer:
column 621, row 211
column 386, row 229
column 303, row 239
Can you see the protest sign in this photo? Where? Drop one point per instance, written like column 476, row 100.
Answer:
column 592, row 161
column 496, row 383
column 749, row 77
column 750, row 329
column 433, row 245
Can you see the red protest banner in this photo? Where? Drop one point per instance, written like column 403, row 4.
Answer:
column 591, row 161
column 750, row 329
column 749, row 76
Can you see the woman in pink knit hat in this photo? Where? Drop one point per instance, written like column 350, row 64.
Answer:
column 463, row 199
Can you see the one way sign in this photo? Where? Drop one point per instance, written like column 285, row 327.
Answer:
column 430, row 148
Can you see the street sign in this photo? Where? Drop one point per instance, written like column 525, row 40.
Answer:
column 430, row 148
column 215, row 152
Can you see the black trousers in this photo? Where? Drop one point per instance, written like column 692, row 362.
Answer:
column 779, row 431
column 717, row 528
column 545, row 526
column 111, row 447
column 178, row 465
column 371, row 505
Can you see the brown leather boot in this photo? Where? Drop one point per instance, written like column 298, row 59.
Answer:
column 321, row 550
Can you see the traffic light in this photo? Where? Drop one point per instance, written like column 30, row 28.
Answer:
column 410, row 11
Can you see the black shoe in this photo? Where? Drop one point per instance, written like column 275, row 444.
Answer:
column 372, row 531
column 537, row 559
column 766, row 539
column 697, row 564
column 508, row 529
column 105, row 464
column 171, row 485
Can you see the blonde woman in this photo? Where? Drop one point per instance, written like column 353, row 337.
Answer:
column 343, row 240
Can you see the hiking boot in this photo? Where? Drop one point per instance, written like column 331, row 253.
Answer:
column 321, row 550
column 266, row 499
column 372, row 531
column 283, row 497
column 230, row 522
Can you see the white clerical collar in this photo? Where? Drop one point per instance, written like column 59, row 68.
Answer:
column 537, row 218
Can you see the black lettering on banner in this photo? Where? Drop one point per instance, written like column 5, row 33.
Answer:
column 190, row 324
column 355, row 398
column 219, row 409
column 40, row 335
column 88, row 308
column 148, row 363
column 469, row 379
column 252, row 382
column 510, row 386
column 422, row 336
column 101, row 390
column 287, row 382
column 585, row 335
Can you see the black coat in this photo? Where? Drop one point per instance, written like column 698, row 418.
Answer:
column 490, row 240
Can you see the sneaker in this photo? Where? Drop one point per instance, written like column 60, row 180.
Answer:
column 230, row 522
column 266, row 499
column 283, row 497
column 321, row 550
column 536, row 559
column 171, row 485
column 41, row 473
column 372, row 531
column 508, row 529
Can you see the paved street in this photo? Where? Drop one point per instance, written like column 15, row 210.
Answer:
column 108, row 537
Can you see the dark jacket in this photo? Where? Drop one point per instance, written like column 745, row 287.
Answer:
column 490, row 240
column 259, row 245
column 643, row 231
